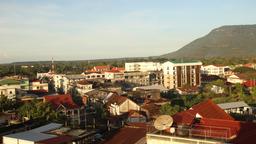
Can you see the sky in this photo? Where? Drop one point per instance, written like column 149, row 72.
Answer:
column 34, row 30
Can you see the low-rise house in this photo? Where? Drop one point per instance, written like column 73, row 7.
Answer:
column 118, row 105
column 250, row 65
column 152, row 92
column 114, row 76
column 99, row 69
column 236, row 78
column 8, row 88
column 63, row 83
column 83, row 87
column 120, row 69
column 136, row 117
column 236, row 107
column 38, row 85
column 75, row 114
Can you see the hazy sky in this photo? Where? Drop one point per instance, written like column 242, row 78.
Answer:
column 89, row 29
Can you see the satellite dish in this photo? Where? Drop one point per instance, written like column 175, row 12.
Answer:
column 163, row 122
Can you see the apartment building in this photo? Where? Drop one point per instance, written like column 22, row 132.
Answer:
column 181, row 73
column 215, row 70
column 142, row 66
column 144, row 78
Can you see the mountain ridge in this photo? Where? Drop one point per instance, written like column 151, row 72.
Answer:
column 225, row 41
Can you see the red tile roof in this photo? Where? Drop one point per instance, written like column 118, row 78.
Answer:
column 215, row 123
column 116, row 99
column 118, row 69
column 206, row 109
column 102, row 67
column 250, row 83
column 57, row 140
column 83, row 82
column 186, row 117
column 65, row 100
column 127, row 135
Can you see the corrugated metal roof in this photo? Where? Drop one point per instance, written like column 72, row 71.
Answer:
column 48, row 127
column 160, row 87
column 31, row 136
column 36, row 134
column 233, row 105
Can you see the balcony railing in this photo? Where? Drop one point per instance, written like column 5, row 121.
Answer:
column 207, row 133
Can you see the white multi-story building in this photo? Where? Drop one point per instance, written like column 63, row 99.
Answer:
column 9, row 90
column 178, row 74
column 38, row 85
column 83, row 87
column 215, row 70
column 142, row 66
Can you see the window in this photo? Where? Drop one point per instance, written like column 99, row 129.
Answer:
column 10, row 92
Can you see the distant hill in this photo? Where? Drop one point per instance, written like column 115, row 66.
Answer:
column 225, row 41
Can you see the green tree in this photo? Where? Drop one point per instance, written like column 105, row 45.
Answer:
column 38, row 109
column 167, row 109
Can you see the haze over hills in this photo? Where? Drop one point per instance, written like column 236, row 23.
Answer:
column 225, row 41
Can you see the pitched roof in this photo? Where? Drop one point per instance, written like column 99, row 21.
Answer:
column 250, row 83
column 118, row 68
column 102, row 67
column 127, row 135
column 65, row 100
column 206, row 109
column 83, row 82
column 209, row 109
column 116, row 99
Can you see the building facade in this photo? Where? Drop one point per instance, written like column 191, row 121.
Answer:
column 142, row 66
column 215, row 70
column 144, row 78
column 179, row 74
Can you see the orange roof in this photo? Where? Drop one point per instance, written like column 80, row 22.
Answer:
column 206, row 109
column 127, row 135
column 83, row 82
column 116, row 99
column 102, row 67
column 65, row 100
column 118, row 69
column 209, row 109
column 250, row 83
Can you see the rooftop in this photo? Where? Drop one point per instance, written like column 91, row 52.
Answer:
column 36, row 134
column 127, row 135
column 9, row 82
column 65, row 100
column 233, row 105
